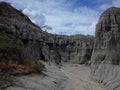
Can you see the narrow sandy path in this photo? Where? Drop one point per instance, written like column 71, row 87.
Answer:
column 79, row 76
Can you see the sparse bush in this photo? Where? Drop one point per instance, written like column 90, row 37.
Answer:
column 10, row 49
column 29, row 63
column 11, row 59
column 14, row 68
column 8, row 41
column 39, row 67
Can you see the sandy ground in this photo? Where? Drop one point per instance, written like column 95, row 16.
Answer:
column 51, row 79
column 79, row 76
column 70, row 77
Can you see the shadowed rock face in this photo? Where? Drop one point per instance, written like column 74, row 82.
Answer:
column 106, row 54
column 40, row 45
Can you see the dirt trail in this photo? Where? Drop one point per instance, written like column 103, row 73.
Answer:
column 79, row 76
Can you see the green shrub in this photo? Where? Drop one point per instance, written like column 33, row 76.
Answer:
column 10, row 48
column 39, row 67
column 8, row 41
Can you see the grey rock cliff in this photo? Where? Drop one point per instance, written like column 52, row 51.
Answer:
column 40, row 45
column 106, row 53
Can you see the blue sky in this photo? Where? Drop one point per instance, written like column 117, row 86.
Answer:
column 65, row 16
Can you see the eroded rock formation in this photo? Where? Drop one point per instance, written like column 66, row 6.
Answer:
column 106, row 54
column 40, row 45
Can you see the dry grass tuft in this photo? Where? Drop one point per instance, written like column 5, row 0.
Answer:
column 14, row 68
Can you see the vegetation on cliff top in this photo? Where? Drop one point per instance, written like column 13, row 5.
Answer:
column 12, row 61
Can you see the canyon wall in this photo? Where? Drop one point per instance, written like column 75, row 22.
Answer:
column 106, row 53
column 103, row 52
column 40, row 45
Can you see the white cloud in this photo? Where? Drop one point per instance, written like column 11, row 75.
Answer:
column 112, row 3
column 62, row 16
column 36, row 16
column 116, row 3
column 79, row 21
column 104, row 6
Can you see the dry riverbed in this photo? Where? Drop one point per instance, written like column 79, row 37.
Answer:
column 51, row 79
column 69, row 77
column 79, row 76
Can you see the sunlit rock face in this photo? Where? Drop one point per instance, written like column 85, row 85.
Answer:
column 106, row 53
column 40, row 45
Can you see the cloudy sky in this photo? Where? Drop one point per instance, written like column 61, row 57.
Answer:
column 65, row 16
